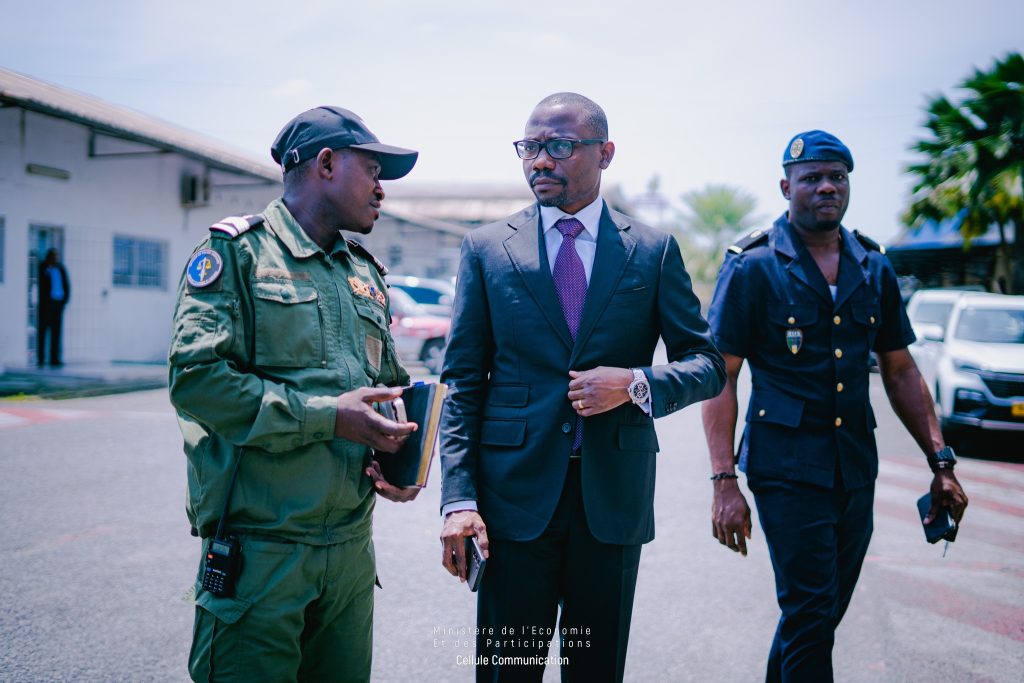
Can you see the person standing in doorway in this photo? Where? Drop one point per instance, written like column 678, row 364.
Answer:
column 54, row 294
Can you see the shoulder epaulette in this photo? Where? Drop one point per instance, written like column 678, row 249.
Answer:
column 362, row 251
column 869, row 243
column 233, row 226
column 749, row 241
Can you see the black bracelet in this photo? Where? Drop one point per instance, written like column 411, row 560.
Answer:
column 723, row 475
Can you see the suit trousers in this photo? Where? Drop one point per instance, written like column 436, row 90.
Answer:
column 51, row 316
column 525, row 583
column 817, row 538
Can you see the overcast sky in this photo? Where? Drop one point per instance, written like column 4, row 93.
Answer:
column 708, row 93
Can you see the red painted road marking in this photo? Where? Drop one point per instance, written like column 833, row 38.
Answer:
column 956, row 604
column 1006, row 508
column 32, row 415
column 25, row 417
column 916, row 460
column 997, row 537
column 1012, row 466
column 970, row 475
column 1000, row 568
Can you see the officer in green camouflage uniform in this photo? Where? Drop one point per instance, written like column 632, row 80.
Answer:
column 280, row 338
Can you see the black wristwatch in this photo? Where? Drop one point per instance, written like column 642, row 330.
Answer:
column 942, row 460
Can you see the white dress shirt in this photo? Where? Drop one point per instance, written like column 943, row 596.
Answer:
column 586, row 242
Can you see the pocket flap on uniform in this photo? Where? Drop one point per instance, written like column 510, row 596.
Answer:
column 228, row 610
column 867, row 315
column 638, row 438
column 503, row 432
column 792, row 315
column 283, row 292
column 509, row 395
column 777, row 408
column 371, row 312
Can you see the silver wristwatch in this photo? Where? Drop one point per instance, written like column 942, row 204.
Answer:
column 639, row 389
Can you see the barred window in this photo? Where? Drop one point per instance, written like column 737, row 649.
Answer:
column 140, row 263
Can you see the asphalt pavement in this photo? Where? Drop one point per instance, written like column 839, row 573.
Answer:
column 96, row 559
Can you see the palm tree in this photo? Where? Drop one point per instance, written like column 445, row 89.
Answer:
column 974, row 163
column 715, row 216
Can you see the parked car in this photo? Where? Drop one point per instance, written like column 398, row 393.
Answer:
column 932, row 306
column 970, row 351
column 436, row 296
column 419, row 334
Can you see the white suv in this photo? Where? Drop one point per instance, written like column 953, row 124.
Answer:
column 970, row 350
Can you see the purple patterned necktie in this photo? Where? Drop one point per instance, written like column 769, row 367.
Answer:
column 570, row 278
column 571, row 285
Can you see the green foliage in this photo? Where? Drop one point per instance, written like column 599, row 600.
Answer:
column 974, row 156
column 714, row 217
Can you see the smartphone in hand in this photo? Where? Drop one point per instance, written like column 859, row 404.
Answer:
column 475, row 563
column 943, row 527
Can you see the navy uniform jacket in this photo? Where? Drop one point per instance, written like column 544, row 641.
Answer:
column 809, row 410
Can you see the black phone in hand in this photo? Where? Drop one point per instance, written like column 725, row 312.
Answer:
column 475, row 563
column 943, row 527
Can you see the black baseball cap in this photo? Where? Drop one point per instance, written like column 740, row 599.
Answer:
column 304, row 136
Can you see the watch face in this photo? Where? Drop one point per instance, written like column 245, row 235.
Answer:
column 639, row 391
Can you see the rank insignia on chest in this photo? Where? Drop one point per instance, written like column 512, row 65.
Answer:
column 204, row 268
column 367, row 290
column 794, row 340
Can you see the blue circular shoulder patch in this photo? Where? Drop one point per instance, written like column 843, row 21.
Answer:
column 204, row 268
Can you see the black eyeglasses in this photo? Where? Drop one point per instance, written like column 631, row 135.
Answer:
column 558, row 148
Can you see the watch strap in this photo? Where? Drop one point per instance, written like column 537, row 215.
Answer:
column 944, row 459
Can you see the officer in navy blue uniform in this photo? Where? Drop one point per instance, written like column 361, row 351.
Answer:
column 805, row 302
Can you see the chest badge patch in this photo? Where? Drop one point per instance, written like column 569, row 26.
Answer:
column 365, row 289
column 204, row 268
column 794, row 340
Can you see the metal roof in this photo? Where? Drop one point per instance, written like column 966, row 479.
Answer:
column 18, row 90
column 944, row 234
column 28, row 93
column 435, row 224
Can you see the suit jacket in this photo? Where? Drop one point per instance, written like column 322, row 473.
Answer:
column 506, row 434
column 45, row 285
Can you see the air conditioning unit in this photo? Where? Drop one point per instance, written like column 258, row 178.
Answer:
column 195, row 190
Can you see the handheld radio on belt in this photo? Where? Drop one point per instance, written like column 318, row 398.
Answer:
column 224, row 554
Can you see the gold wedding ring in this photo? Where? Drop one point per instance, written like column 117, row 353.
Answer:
column 580, row 404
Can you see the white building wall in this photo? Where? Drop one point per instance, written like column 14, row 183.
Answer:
column 134, row 196
column 410, row 249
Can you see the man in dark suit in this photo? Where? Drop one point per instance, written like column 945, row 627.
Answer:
column 548, row 443
column 54, row 294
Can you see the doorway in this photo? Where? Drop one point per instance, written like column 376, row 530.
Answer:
column 40, row 238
